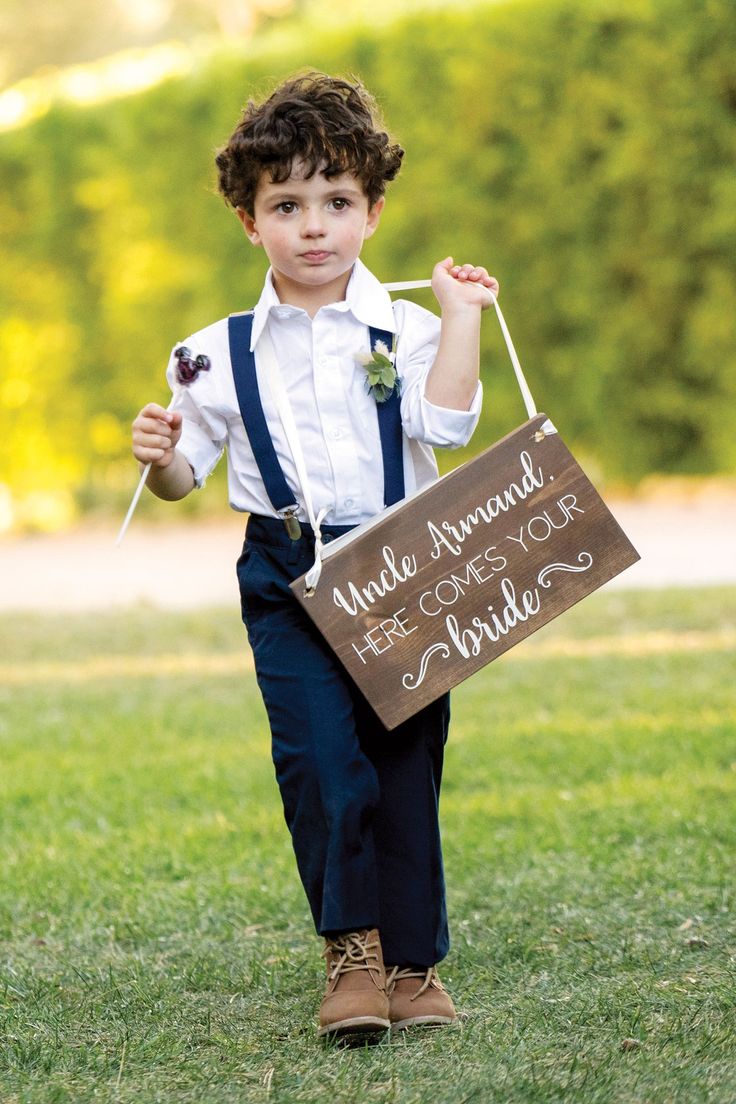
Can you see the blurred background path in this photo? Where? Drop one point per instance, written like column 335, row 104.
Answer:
column 682, row 541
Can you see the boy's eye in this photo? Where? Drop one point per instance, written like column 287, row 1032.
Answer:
column 340, row 203
column 286, row 207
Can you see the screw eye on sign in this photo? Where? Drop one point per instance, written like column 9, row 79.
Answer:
column 439, row 585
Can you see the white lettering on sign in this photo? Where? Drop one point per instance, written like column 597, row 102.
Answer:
column 447, row 591
column 541, row 526
column 388, row 579
column 531, row 480
column 384, row 635
column 469, row 641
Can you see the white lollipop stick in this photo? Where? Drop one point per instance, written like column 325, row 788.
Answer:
column 134, row 502
column 139, row 489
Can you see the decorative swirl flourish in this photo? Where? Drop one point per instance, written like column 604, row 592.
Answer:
column 584, row 559
column 408, row 679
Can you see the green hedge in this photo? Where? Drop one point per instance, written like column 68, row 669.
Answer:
column 582, row 149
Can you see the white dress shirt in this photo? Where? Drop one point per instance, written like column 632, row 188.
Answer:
column 335, row 417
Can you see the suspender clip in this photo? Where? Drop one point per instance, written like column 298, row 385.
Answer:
column 291, row 522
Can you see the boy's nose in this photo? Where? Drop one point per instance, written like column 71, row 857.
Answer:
column 312, row 224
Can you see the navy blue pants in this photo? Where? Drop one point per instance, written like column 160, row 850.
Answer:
column 361, row 802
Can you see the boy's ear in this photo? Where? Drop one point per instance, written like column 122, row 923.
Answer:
column 249, row 225
column 374, row 217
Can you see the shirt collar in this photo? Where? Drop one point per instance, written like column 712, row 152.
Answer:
column 269, row 301
column 365, row 298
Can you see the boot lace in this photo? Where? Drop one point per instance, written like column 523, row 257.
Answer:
column 353, row 951
column 429, row 977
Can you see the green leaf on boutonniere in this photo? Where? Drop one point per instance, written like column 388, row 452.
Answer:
column 381, row 380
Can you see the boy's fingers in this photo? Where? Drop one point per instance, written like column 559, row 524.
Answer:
column 155, row 410
column 490, row 282
column 444, row 266
column 478, row 275
column 143, row 427
column 487, row 280
column 475, row 273
column 466, row 273
column 149, row 455
column 152, row 440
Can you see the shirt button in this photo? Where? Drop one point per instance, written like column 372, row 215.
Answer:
column 335, row 434
column 322, row 362
column 349, row 502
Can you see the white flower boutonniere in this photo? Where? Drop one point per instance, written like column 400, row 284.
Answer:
column 381, row 380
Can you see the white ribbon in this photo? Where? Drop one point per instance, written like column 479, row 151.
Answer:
column 520, row 378
column 312, row 577
column 408, row 285
column 272, row 371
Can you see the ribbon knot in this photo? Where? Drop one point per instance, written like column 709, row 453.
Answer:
column 312, row 577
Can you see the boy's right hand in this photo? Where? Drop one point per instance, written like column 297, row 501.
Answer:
column 156, row 432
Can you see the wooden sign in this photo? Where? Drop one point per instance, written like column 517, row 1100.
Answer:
column 443, row 583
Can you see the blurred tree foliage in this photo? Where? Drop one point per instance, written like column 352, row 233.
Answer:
column 582, row 149
column 83, row 30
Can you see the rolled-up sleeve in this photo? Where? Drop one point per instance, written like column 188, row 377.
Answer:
column 416, row 350
column 447, row 428
column 203, row 431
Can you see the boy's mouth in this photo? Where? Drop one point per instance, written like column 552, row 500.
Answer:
column 316, row 255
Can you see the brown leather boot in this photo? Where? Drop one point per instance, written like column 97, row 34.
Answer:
column 355, row 999
column 418, row 998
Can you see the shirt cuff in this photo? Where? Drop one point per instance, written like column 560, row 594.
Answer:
column 199, row 450
column 447, row 428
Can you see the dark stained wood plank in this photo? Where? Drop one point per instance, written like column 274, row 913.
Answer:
column 465, row 570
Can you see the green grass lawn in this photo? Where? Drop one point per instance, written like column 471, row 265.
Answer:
column 154, row 940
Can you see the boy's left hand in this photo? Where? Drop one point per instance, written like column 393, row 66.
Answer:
column 462, row 285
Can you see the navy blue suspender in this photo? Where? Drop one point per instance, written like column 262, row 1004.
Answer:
column 282, row 498
column 389, row 426
column 240, row 327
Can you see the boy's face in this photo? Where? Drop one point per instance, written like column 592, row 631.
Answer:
column 312, row 231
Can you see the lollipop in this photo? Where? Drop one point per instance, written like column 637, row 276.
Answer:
column 186, row 372
column 187, row 369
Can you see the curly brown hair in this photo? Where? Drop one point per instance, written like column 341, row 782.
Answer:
column 328, row 124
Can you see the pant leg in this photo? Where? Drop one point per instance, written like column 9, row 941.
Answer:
column 411, row 884
column 361, row 802
column 329, row 787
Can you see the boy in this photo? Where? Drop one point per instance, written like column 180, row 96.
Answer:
column 306, row 173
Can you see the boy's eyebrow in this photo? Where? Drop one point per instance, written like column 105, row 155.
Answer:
column 284, row 192
column 345, row 189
